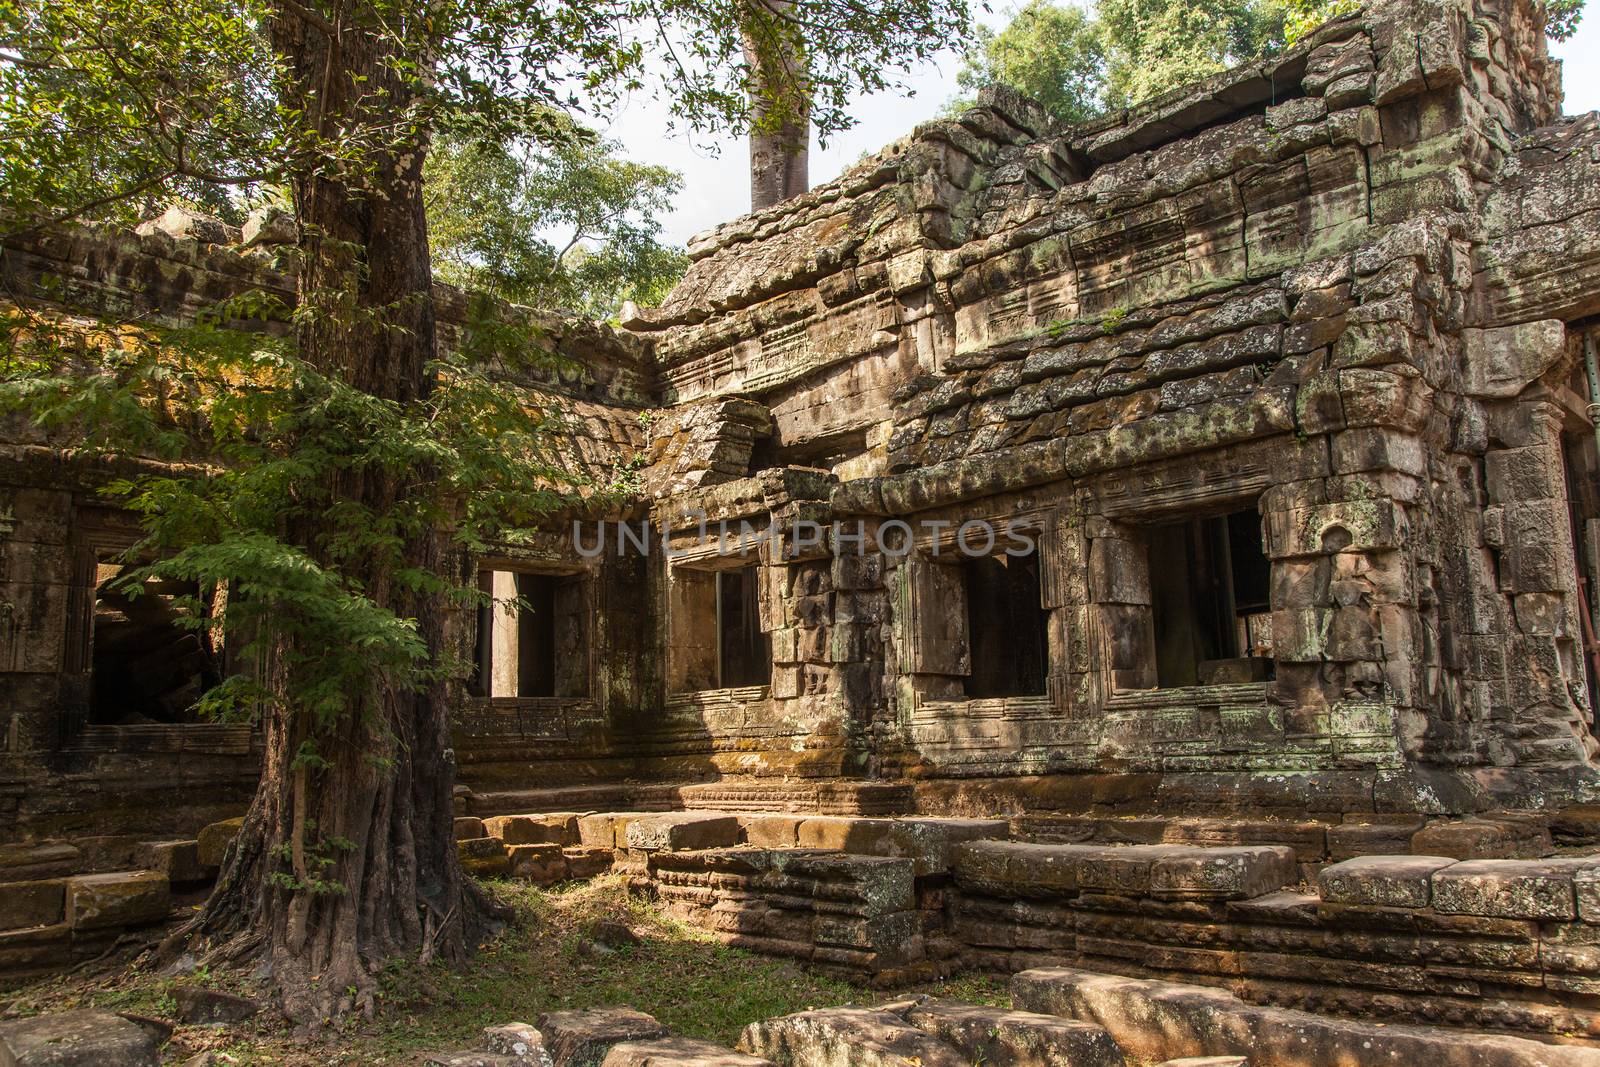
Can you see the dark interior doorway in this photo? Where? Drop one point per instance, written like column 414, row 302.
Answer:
column 531, row 637
column 744, row 655
column 1210, row 584
column 147, row 665
column 1006, row 626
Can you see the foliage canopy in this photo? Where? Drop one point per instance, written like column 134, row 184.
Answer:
column 1079, row 63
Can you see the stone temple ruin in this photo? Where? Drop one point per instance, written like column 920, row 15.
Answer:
column 1285, row 378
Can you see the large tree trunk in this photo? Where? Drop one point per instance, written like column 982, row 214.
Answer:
column 779, row 156
column 379, row 808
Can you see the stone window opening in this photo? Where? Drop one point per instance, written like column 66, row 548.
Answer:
column 1007, row 625
column 1210, row 590
column 532, row 636
column 149, row 664
column 1582, row 485
column 717, row 641
column 974, row 626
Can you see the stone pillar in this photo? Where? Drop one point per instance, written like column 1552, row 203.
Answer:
column 1528, row 527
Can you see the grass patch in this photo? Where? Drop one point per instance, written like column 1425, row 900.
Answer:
column 546, row 961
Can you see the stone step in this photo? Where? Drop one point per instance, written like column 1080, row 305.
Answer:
column 1002, row 1038
column 1559, row 889
column 848, row 1037
column 86, row 901
column 1159, row 1021
column 82, row 1038
column 678, row 1052
column 585, row 1038
column 1174, row 872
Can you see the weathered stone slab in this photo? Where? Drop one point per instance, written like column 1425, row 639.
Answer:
column 678, row 1052
column 1015, row 1038
column 605, row 829
column 770, row 830
column 197, row 1004
column 124, row 898
column 678, row 831
column 82, row 1038
column 26, row 862
column 586, row 862
column 178, row 860
column 212, row 842
column 925, row 841
column 1474, row 839
column 1123, row 869
column 1012, row 868
column 470, row 1058
column 1389, row 838
column 1510, row 889
column 539, row 864
column 555, row 828
column 468, row 827
column 523, row 1044
column 1236, row 873
column 39, row 903
column 1157, row 1021
column 484, row 857
column 1384, row 881
column 584, row 1038
column 847, row 1037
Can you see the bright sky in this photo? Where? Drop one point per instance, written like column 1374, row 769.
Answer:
column 717, row 184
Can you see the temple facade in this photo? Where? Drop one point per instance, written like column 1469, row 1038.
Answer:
column 1235, row 453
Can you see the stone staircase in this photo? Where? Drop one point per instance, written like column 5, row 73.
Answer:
column 62, row 902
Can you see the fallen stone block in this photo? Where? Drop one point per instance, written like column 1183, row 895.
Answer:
column 468, row 1059
column 484, row 857
column 178, row 860
column 521, row 1043
column 82, row 1038
column 1384, row 881
column 584, row 861
column 584, row 1038
column 556, row 828
column 1234, row 873
column 606, row 829
column 539, row 864
column 35, row 948
column 24, row 904
column 212, row 843
column 767, row 830
column 1389, row 838
column 468, row 827
column 678, row 1052
column 1123, row 869
column 123, row 898
column 1472, row 839
column 1576, row 825
column 23, row 863
column 1507, row 889
column 1017, row 869
column 199, row 1005
column 881, row 884
column 927, row 842
column 1154, row 1022
column 680, row 831
column 847, row 1037
column 1004, row 1038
